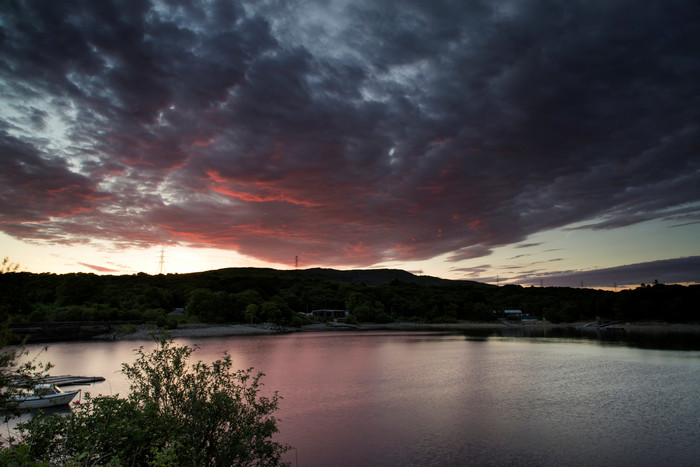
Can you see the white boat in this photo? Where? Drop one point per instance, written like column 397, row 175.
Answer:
column 44, row 395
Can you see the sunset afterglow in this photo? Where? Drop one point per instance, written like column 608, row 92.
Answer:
column 502, row 142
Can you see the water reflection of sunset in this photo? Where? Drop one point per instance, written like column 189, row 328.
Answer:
column 383, row 398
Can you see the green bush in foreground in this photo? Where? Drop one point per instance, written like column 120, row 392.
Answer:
column 176, row 414
column 14, row 375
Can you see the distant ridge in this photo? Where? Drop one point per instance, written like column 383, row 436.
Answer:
column 366, row 276
column 383, row 276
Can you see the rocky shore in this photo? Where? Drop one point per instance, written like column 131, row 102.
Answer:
column 195, row 330
column 204, row 330
column 61, row 332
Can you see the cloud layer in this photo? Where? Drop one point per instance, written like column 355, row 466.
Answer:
column 669, row 271
column 347, row 133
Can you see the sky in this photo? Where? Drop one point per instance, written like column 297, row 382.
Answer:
column 525, row 142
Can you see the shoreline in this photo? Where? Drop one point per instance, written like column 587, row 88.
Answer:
column 213, row 330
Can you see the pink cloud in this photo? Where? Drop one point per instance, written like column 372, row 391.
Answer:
column 98, row 268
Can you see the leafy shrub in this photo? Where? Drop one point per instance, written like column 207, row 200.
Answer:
column 177, row 414
column 126, row 329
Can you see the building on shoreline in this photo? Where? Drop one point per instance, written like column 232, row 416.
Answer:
column 328, row 315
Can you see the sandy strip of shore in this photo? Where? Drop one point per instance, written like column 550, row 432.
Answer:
column 194, row 330
column 205, row 330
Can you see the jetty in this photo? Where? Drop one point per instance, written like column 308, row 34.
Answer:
column 68, row 380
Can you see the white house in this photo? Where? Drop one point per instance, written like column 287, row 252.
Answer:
column 329, row 314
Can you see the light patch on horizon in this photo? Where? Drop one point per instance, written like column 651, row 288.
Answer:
column 100, row 259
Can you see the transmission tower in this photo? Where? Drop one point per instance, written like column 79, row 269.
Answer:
column 161, row 261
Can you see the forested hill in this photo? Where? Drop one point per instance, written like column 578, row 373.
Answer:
column 360, row 276
column 245, row 295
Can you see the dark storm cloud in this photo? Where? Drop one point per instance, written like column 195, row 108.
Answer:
column 671, row 271
column 527, row 245
column 517, row 256
column 478, row 272
column 348, row 134
column 35, row 188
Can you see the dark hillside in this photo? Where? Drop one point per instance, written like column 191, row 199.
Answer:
column 383, row 277
column 358, row 276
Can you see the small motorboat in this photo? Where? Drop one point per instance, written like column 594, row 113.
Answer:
column 44, row 395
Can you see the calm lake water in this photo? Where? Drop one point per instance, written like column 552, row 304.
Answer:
column 391, row 398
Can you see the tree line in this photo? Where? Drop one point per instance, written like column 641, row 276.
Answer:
column 252, row 295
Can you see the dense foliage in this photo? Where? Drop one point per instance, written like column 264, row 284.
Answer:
column 176, row 414
column 17, row 372
column 248, row 295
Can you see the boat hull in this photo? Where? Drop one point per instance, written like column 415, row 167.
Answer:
column 49, row 400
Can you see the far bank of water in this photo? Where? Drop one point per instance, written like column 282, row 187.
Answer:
column 424, row 398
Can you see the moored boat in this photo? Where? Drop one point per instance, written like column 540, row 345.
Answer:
column 44, row 395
